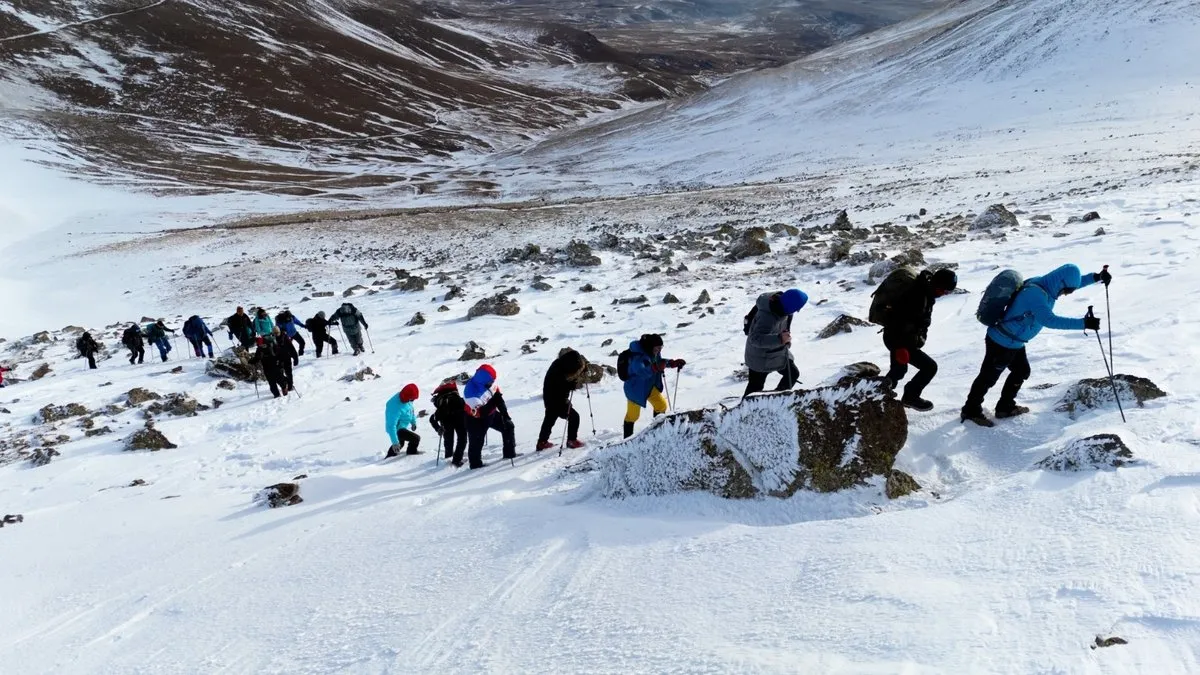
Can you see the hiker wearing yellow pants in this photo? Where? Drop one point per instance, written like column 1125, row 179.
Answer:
column 644, row 382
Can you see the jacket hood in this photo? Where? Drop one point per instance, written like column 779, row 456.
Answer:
column 1065, row 277
column 764, row 302
column 636, row 347
column 321, row 315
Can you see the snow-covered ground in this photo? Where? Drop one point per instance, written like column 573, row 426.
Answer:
column 414, row 567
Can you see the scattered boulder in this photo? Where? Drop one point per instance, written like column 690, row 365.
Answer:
column 899, row 484
column 751, row 244
column 176, row 370
column 1085, row 218
column 843, row 324
column 636, row 300
column 784, row 228
column 880, row 270
column 42, row 337
column 235, row 364
column 1102, row 451
column 12, row 519
column 353, row 289
column 1099, row 232
column 42, row 456
column 55, row 413
column 498, row 305
column 178, row 405
column 1094, row 393
column 1101, row 643
column 279, row 494
column 529, row 253
column 540, row 286
column 418, row 319
column 580, row 254
column 912, row 258
column 775, row 444
column 670, row 299
column 704, row 298
column 587, row 288
column 40, row 372
column 453, row 292
column 995, row 216
column 226, row 384
column 102, row 431
column 360, row 376
column 839, row 250
column 443, row 308
column 323, row 294
column 414, row 283
column 858, row 370
column 842, row 222
column 473, row 352
column 138, row 396
column 148, row 438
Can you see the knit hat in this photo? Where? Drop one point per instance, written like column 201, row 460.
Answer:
column 489, row 370
column 944, row 279
column 793, row 300
column 651, row 340
column 409, row 393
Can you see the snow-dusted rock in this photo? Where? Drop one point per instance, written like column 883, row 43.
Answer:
column 995, row 216
column 499, row 305
column 54, row 413
column 775, row 444
column 148, row 438
column 233, row 363
column 1098, row 392
column 280, row 494
column 843, row 324
column 1102, row 451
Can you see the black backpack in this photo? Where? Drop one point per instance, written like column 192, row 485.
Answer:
column 748, row 320
column 623, row 364
column 889, row 292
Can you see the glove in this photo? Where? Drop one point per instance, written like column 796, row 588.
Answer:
column 659, row 367
column 1091, row 323
column 678, row 363
column 395, row 447
column 1103, row 276
column 901, row 356
column 413, row 426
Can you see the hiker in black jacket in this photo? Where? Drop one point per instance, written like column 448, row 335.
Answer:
column 87, row 347
column 266, row 357
column 563, row 377
column 241, row 328
column 286, row 351
column 132, row 339
column 449, row 419
column 319, row 328
column 905, row 329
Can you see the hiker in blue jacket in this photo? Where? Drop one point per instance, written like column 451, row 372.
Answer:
column 197, row 334
column 401, row 421
column 1030, row 311
column 646, row 383
column 290, row 326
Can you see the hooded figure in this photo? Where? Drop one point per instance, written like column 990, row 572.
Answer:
column 906, row 329
column 1004, row 348
column 352, row 322
column 646, row 383
column 449, row 419
column 241, row 328
column 87, row 347
column 272, row 370
column 318, row 326
column 197, row 334
column 485, row 409
column 564, row 376
column 401, row 421
column 132, row 339
column 769, row 340
column 290, row 326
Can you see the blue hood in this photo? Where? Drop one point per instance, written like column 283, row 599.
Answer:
column 1066, row 276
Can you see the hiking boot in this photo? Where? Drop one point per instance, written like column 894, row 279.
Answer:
column 477, row 466
column 413, row 452
column 514, row 455
column 391, row 453
column 457, row 464
column 916, row 403
column 574, row 444
column 1002, row 413
column 628, row 429
column 978, row 418
column 544, row 445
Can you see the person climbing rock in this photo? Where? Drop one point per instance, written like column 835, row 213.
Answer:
column 485, row 409
column 768, row 329
column 565, row 375
column 641, row 367
column 907, row 313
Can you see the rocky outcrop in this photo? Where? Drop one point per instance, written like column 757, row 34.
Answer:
column 899, row 484
column 473, row 352
column 498, row 305
column 148, row 438
column 580, row 254
column 279, row 494
column 843, row 324
column 823, row 440
column 1102, row 451
column 40, row 372
column 994, row 217
column 418, row 319
column 42, row 456
column 751, row 244
column 360, row 376
column 1095, row 393
column 178, row 405
column 234, row 364
column 138, row 396
column 56, row 413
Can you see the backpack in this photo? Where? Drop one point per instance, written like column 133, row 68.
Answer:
column 192, row 326
column 131, row 337
column 890, row 290
column 623, row 364
column 998, row 297
column 748, row 320
column 81, row 345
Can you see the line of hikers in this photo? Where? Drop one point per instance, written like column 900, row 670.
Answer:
column 1015, row 310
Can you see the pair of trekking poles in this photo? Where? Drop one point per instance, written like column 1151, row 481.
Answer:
column 592, row 414
column 1109, row 362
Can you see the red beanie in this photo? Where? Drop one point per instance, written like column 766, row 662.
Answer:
column 489, row 370
column 409, row 393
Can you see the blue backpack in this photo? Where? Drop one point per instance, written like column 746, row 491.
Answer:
column 998, row 297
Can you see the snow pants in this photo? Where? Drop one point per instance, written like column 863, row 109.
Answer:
column 996, row 360
column 477, row 429
column 788, row 377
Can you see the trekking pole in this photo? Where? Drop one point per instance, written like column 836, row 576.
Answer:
column 1112, row 362
column 1111, row 380
column 675, row 393
column 568, row 426
column 437, row 456
column 368, row 330
column 298, row 394
column 590, row 412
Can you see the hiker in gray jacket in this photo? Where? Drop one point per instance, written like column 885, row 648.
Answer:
column 352, row 323
column 769, row 339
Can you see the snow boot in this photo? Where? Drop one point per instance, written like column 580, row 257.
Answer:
column 978, row 418
column 1002, row 413
column 628, row 429
column 574, row 444
column 544, row 445
column 392, row 452
column 513, row 456
column 916, row 403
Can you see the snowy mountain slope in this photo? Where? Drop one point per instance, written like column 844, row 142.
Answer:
column 928, row 96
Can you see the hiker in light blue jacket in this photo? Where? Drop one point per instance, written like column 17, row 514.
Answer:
column 1030, row 311
column 401, row 421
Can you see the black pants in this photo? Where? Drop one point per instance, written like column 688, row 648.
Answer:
column 926, row 368
column 285, row 372
column 454, row 437
column 555, row 412
column 298, row 339
column 477, row 429
column 319, row 340
column 355, row 339
column 409, row 437
column 137, row 354
column 91, row 358
column 275, row 381
column 789, row 376
column 996, row 360
column 198, row 342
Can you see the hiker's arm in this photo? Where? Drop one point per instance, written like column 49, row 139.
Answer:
column 1044, row 314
